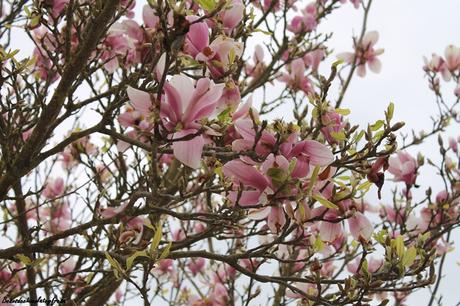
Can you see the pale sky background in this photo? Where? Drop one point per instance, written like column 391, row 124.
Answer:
column 408, row 30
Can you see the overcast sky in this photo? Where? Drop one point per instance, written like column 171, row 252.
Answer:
column 408, row 30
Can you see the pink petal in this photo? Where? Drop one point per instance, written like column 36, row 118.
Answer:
column 149, row 17
column 139, row 99
column 375, row 65
column 360, row 227
column 259, row 213
column 188, row 152
column 318, row 153
column 247, row 198
column 370, row 38
column 245, row 174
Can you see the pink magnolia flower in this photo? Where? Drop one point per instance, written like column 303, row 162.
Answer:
column 178, row 234
column 332, row 122
column 453, row 144
column 245, row 128
column 313, row 59
column 403, row 167
column 307, row 22
column 437, row 64
column 165, row 266
column 196, row 265
column 197, row 37
column 296, row 78
column 58, row 7
column 219, row 295
column 365, row 53
column 124, row 39
column 329, row 231
column 360, row 227
column 59, row 217
column 225, row 273
column 111, row 212
column 138, row 112
column 393, row 214
column 355, row 3
column 308, row 153
column 54, row 188
column 67, row 267
column 183, row 106
column 249, row 264
column 232, row 15
column 257, row 68
column 133, row 231
column 242, row 173
column 231, row 96
column 452, row 55
column 220, row 54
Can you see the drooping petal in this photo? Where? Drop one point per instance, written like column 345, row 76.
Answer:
column 330, row 231
column 188, row 152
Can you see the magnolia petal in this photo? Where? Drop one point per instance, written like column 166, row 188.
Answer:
column 188, row 152
column 375, row 65
column 139, row 99
column 245, row 174
column 247, row 198
column 360, row 227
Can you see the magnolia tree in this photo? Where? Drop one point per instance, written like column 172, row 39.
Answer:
column 138, row 160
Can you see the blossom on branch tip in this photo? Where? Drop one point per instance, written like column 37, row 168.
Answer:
column 365, row 54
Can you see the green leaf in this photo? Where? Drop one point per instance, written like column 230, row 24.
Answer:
column 224, row 116
column 359, row 136
column 409, row 256
column 365, row 186
column 338, row 62
column 342, row 111
column 132, row 258
column 277, row 175
column 338, row 135
column 313, row 179
column 24, row 259
column 165, row 251
column 208, row 5
column 380, row 237
column 399, row 246
column 390, row 111
column 377, row 125
column 115, row 265
column 326, row 203
column 318, row 245
column 156, row 238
